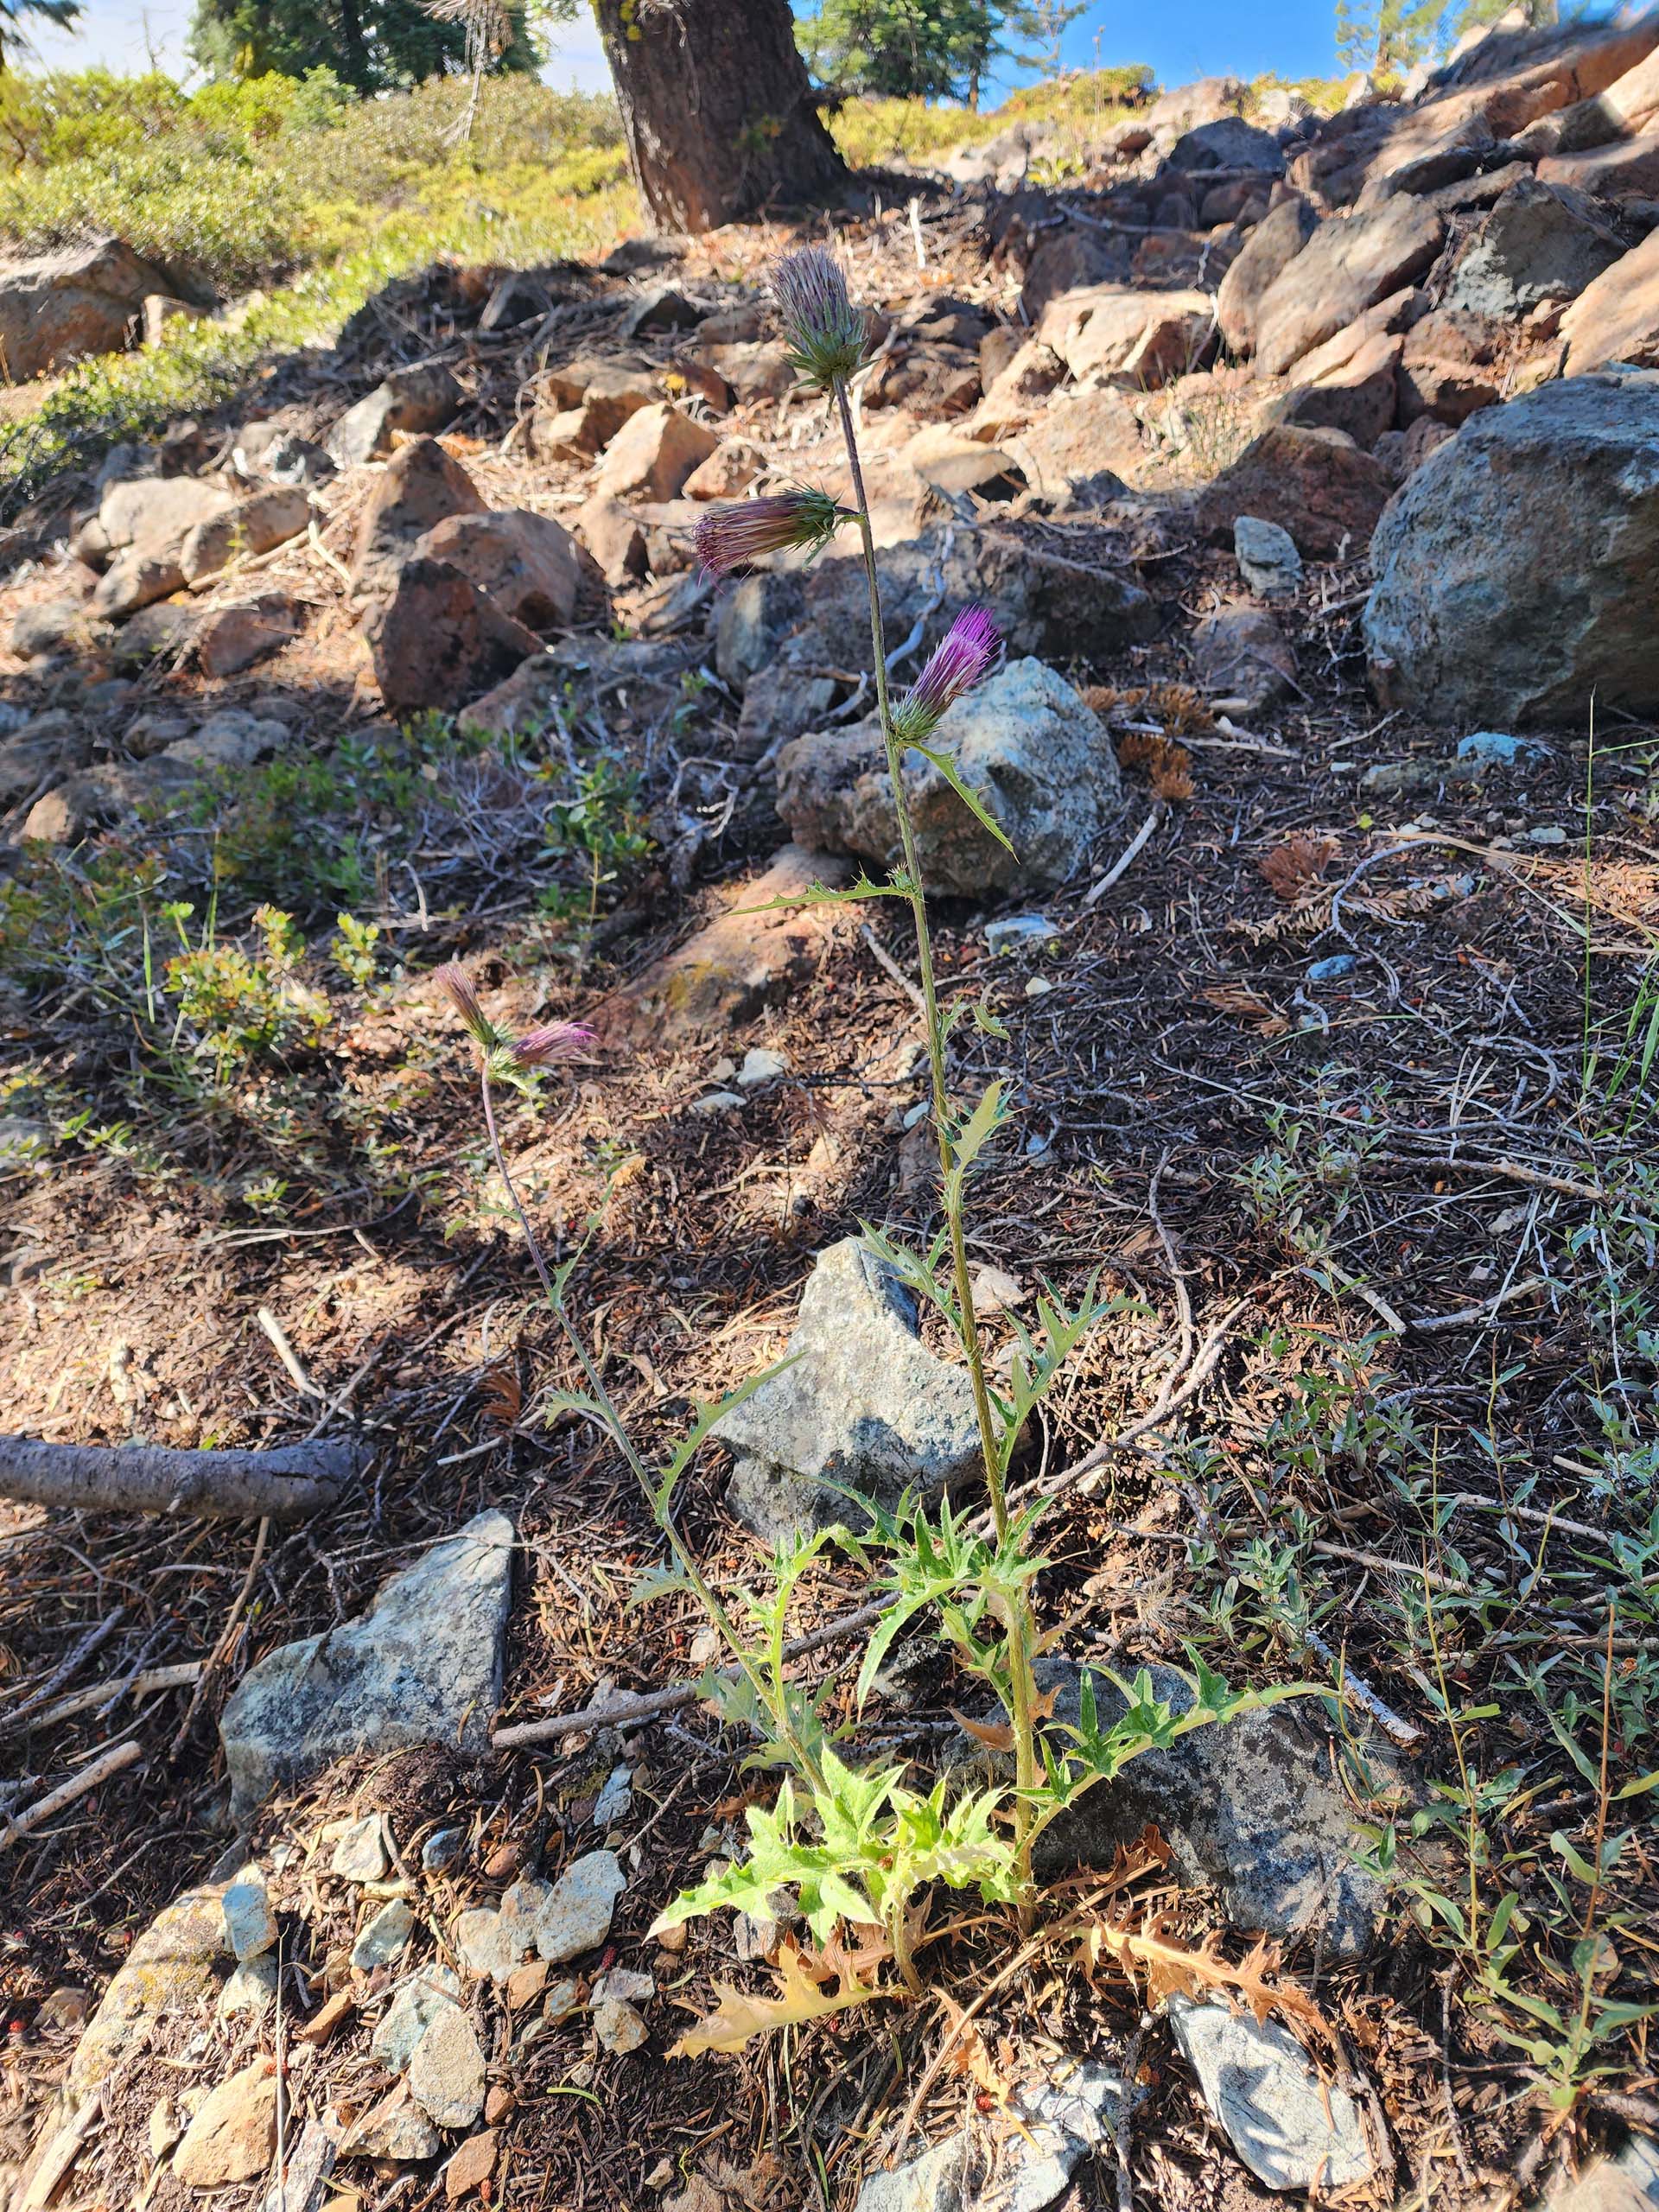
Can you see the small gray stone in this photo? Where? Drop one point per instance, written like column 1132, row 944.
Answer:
column 446, row 2074
column 1496, row 748
column 1026, row 743
column 485, row 1944
column 422, row 1666
column 410, row 2013
column 394, row 2128
column 933, row 2182
column 578, row 1915
column 1019, row 932
column 1293, row 2129
column 250, row 1923
column 1254, row 1806
column 1266, row 557
column 761, row 1064
column 619, row 2026
column 359, row 1853
column 251, row 1992
column 615, row 1800
column 1629, row 2182
column 440, row 1852
column 864, row 1405
column 386, row 1936
column 562, row 2003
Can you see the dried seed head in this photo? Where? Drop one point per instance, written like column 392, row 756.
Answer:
column 825, row 332
column 964, row 657
column 554, row 1040
column 453, row 981
column 730, row 538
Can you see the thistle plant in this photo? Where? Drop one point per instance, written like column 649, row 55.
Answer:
column 857, row 1844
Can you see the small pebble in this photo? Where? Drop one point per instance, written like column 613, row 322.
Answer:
column 440, row 1852
column 385, row 1937
column 250, row 1923
column 360, row 1851
column 761, row 1064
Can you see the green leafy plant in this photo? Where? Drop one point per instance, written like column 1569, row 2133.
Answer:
column 860, row 1844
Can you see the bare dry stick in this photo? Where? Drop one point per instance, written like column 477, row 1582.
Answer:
column 284, row 1485
column 118, row 1757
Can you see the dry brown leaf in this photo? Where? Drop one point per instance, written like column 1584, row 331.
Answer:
column 501, row 1396
column 1238, row 999
column 968, row 2053
column 996, row 1735
column 740, row 2016
column 1290, row 867
column 1160, row 1963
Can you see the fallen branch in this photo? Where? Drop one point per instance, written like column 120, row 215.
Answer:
column 119, row 1757
column 628, row 1712
column 284, row 1485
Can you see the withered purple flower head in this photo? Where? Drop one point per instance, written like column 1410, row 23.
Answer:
column 453, row 982
column 961, row 661
column 730, row 538
column 554, row 1040
column 536, row 1048
column 825, row 334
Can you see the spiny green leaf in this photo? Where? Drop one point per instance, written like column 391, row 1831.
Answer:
column 969, row 798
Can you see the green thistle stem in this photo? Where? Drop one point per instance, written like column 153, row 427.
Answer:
column 1021, row 1686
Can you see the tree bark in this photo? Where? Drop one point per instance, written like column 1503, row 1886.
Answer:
column 717, row 108
column 284, row 1485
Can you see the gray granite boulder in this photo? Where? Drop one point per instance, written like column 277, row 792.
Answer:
column 865, row 1405
column 1517, row 571
column 1034, row 752
column 421, row 1666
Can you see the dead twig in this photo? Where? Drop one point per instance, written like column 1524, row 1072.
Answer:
column 114, row 1761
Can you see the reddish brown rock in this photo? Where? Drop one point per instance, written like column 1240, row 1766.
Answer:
column 652, row 454
column 1451, row 366
column 230, row 638
column 611, row 534
column 436, row 640
column 530, row 565
column 1268, row 251
column 1240, row 652
column 473, row 2164
column 1357, row 398
column 421, row 487
column 1348, row 264
column 1143, row 337
column 59, row 307
column 253, row 526
column 1628, row 168
column 1316, row 484
column 739, row 963
column 1617, row 318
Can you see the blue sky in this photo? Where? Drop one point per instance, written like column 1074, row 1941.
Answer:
column 1199, row 38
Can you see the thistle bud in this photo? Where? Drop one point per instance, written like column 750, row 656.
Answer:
column 961, row 661
column 730, row 538
column 453, row 982
column 825, row 332
column 554, row 1040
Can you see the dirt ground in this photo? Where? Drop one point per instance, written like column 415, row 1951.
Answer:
column 1389, row 1235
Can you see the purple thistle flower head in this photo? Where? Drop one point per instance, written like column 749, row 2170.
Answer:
column 825, row 332
column 730, row 538
column 961, row 661
column 554, row 1040
column 453, row 982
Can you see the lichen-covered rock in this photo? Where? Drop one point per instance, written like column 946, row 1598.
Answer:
column 1036, row 755
column 171, row 1968
column 422, row 1666
column 1517, row 571
column 864, row 1406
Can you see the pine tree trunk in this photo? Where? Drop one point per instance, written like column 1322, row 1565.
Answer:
column 717, row 108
